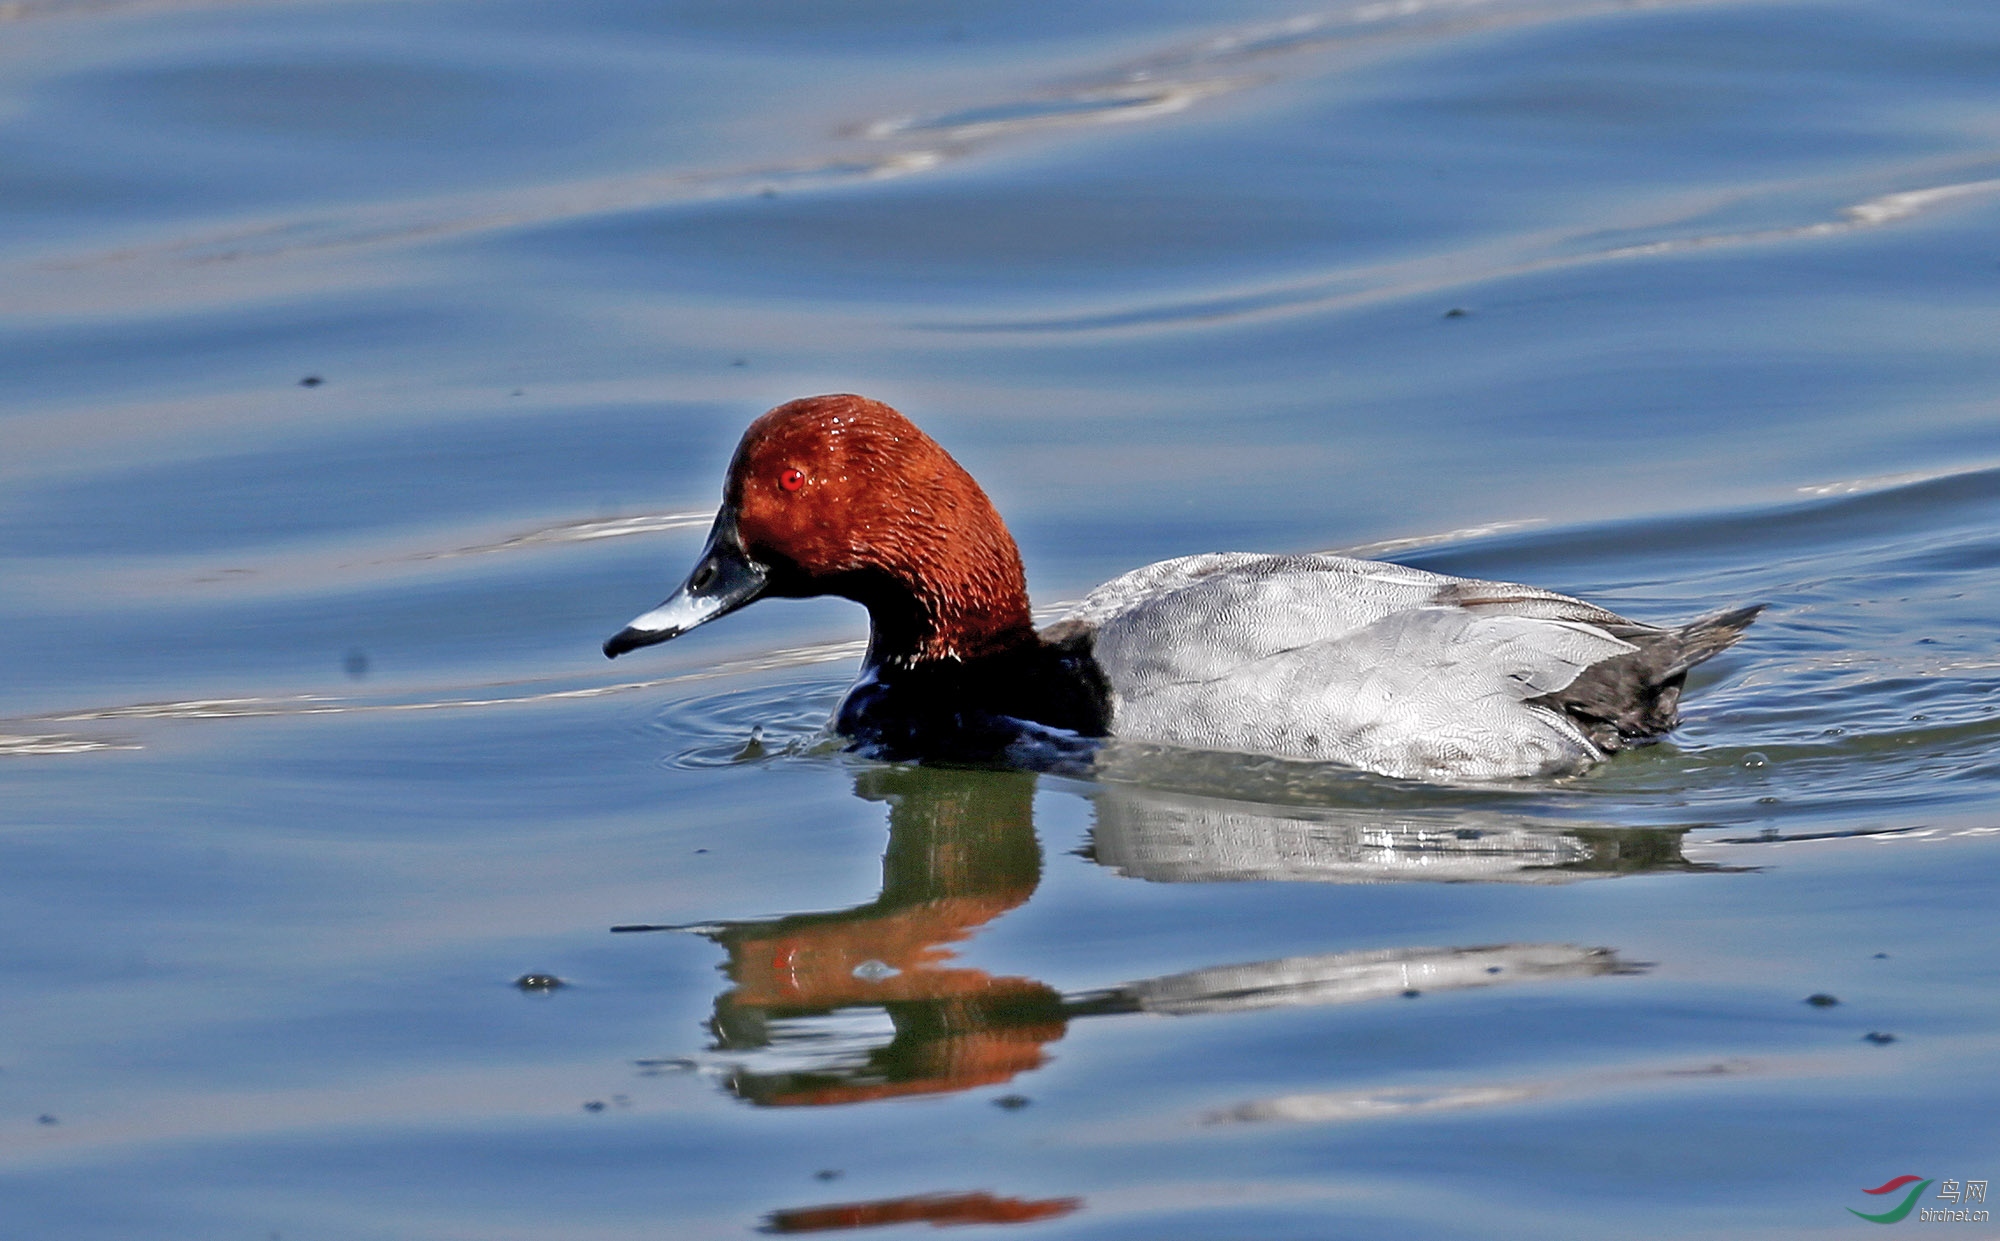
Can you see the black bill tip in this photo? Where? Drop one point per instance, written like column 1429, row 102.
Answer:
column 630, row 640
column 724, row 579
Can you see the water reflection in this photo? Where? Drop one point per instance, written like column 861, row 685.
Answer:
column 872, row 1003
column 962, row 851
column 1176, row 838
column 1348, row 977
column 937, row 1210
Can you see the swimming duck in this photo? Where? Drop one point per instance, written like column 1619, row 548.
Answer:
column 1365, row 663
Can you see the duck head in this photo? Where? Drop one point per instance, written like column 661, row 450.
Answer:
column 841, row 495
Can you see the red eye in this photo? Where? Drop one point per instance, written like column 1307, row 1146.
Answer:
column 791, row 480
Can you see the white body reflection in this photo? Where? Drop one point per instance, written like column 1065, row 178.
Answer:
column 1176, row 838
column 1353, row 977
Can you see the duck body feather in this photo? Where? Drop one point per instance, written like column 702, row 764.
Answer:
column 1377, row 665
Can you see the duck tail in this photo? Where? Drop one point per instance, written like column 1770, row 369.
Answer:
column 1633, row 698
column 1706, row 637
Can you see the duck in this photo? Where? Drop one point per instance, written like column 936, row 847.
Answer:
column 1324, row 658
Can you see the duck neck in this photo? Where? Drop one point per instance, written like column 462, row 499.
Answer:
column 967, row 602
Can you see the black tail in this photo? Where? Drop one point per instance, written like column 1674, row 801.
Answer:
column 1709, row 636
column 1636, row 697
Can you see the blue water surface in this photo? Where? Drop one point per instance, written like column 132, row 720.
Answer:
column 364, row 365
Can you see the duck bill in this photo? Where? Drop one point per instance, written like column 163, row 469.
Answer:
column 723, row 580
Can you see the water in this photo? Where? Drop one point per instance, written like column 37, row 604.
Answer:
column 308, row 754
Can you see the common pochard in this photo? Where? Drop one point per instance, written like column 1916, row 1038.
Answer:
column 1361, row 662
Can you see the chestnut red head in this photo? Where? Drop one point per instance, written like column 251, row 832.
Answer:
column 841, row 495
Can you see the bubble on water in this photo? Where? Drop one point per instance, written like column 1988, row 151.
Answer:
column 1755, row 758
column 872, row 970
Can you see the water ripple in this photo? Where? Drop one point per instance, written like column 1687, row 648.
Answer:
column 1165, row 84
column 750, row 725
column 1481, row 265
column 57, row 743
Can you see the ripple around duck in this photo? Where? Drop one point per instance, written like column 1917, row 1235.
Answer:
column 786, row 720
column 1847, row 778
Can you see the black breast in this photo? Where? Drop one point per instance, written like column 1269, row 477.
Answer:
column 1038, row 705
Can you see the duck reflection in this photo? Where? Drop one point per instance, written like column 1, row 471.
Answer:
column 937, row 1210
column 872, row 1002
column 1176, row 838
column 962, row 851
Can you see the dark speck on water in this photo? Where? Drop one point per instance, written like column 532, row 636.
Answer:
column 1822, row 1000
column 307, row 738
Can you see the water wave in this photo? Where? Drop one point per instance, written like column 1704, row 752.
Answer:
column 1163, row 84
column 1359, row 286
column 57, row 743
